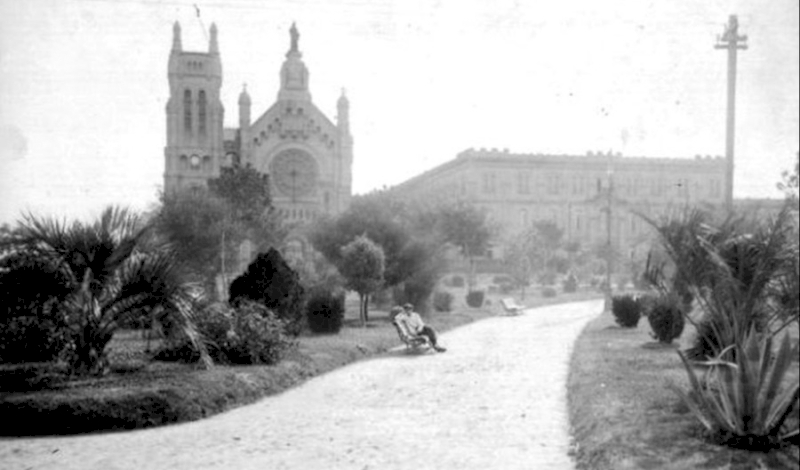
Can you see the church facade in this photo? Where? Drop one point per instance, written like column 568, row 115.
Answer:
column 308, row 157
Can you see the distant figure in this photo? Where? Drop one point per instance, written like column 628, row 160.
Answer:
column 415, row 325
column 295, row 37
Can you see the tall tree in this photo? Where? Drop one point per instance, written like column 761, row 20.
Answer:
column 363, row 268
column 372, row 218
column 246, row 189
column 195, row 222
column 466, row 227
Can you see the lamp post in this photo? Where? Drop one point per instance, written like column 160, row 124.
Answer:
column 609, row 222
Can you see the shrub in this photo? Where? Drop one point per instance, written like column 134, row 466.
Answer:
column 666, row 318
column 626, row 311
column 256, row 336
column 646, row 303
column 746, row 403
column 250, row 334
column 457, row 281
column 271, row 282
column 506, row 288
column 442, row 301
column 570, row 284
column 31, row 339
column 549, row 292
column 475, row 298
column 325, row 311
column 501, row 279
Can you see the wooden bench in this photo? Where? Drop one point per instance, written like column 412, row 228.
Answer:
column 511, row 307
column 412, row 342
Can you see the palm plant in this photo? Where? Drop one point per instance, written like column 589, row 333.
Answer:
column 741, row 274
column 741, row 402
column 112, row 271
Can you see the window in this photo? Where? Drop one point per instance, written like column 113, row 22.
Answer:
column 187, row 111
column 715, row 188
column 523, row 217
column 488, row 183
column 201, row 112
column 523, row 183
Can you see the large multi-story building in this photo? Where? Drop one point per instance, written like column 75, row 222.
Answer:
column 573, row 191
column 308, row 157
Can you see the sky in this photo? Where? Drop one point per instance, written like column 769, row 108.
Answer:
column 83, row 85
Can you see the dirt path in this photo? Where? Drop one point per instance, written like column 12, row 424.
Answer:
column 495, row 400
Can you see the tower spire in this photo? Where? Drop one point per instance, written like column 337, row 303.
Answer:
column 213, row 46
column 176, row 37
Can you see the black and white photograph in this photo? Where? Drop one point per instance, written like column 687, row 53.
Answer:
column 392, row 235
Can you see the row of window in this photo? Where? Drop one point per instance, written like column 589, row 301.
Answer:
column 202, row 106
column 632, row 186
column 299, row 214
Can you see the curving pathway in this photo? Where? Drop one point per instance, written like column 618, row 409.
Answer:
column 495, row 399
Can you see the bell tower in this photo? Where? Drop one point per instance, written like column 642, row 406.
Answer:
column 194, row 149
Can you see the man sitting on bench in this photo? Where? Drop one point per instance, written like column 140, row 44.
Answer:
column 414, row 325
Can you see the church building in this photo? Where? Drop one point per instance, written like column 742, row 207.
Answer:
column 308, row 158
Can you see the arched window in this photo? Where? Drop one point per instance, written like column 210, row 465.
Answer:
column 187, row 111
column 201, row 111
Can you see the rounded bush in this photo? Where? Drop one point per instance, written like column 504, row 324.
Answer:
column 666, row 319
column 442, row 301
column 249, row 334
column 457, row 281
column 475, row 298
column 325, row 311
column 626, row 311
column 256, row 336
column 549, row 292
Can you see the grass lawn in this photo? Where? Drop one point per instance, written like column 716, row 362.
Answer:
column 35, row 399
column 624, row 417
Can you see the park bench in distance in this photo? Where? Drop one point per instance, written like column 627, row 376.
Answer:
column 511, row 307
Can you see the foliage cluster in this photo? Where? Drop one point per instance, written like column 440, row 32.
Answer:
column 666, row 317
column 362, row 266
column 207, row 226
column 247, row 334
column 475, row 298
column 95, row 276
column 270, row 282
column 570, row 284
column 442, row 301
column 626, row 310
column 739, row 271
column 549, row 292
column 325, row 311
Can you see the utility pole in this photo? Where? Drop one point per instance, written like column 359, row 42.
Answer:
column 732, row 41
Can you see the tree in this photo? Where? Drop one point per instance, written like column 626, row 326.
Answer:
column 108, row 271
column 245, row 189
column 466, row 227
column 194, row 222
column 790, row 181
column 363, row 268
column 271, row 282
column 249, row 214
column 370, row 217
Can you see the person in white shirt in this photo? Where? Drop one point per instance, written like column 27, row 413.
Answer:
column 416, row 326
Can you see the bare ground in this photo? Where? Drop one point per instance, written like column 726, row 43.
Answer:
column 496, row 399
